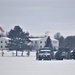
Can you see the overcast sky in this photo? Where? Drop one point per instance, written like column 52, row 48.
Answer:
column 39, row 16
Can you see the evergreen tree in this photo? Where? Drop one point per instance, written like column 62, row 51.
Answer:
column 60, row 38
column 18, row 40
column 70, row 42
column 48, row 43
column 61, row 42
column 57, row 35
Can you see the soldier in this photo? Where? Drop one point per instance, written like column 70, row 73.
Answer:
column 73, row 54
column 36, row 54
column 2, row 53
column 58, row 55
column 13, row 53
column 28, row 53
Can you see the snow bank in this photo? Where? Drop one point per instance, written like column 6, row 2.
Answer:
column 29, row 66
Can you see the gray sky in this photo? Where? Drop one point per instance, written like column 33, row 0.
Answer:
column 39, row 16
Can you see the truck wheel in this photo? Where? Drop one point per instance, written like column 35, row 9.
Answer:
column 39, row 59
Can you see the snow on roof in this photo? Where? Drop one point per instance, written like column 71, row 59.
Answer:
column 45, row 50
column 5, row 38
column 34, row 39
column 54, row 39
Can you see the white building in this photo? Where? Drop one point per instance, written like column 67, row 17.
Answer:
column 3, row 43
column 40, row 42
column 36, row 42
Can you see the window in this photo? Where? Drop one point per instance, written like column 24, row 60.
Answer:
column 54, row 42
column 45, row 42
column 31, row 41
column 40, row 41
column 1, row 46
column 35, row 41
column 1, row 41
column 31, row 46
column 40, row 46
column 5, row 46
column 5, row 41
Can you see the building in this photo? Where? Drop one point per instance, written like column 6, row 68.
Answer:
column 39, row 42
column 3, row 43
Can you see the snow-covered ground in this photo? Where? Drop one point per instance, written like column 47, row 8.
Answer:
column 29, row 66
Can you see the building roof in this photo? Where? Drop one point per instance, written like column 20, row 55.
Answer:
column 36, row 39
column 5, row 38
column 54, row 39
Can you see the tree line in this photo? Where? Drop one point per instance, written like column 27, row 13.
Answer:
column 19, row 41
column 68, row 42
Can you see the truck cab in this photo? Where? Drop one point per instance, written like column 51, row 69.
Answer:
column 43, row 54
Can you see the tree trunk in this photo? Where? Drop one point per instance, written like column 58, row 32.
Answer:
column 2, row 53
column 28, row 53
column 22, row 53
column 16, row 52
column 52, row 55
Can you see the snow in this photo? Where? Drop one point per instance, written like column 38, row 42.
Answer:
column 30, row 66
column 35, row 39
column 5, row 38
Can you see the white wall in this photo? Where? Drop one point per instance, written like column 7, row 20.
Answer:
column 3, row 43
column 38, row 45
column 40, row 42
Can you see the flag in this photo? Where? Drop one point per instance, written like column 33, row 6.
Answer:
column 1, row 29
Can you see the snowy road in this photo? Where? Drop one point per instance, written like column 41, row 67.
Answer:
column 29, row 66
